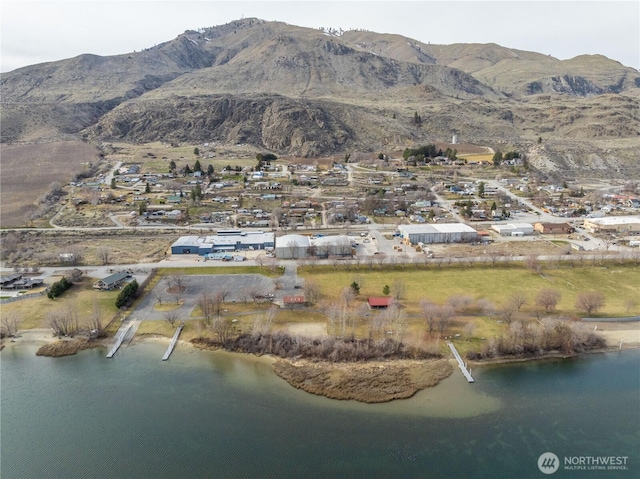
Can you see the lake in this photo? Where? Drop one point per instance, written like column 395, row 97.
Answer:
column 214, row 414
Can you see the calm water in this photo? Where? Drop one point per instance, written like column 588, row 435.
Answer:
column 216, row 415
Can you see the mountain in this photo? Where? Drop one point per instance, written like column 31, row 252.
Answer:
column 310, row 92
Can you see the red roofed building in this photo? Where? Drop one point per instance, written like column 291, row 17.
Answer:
column 293, row 300
column 380, row 303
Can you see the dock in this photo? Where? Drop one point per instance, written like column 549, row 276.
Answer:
column 463, row 366
column 119, row 339
column 173, row 342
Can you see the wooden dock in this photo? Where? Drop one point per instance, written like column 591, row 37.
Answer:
column 119, row 339
column 173, row 342
column 461, row 363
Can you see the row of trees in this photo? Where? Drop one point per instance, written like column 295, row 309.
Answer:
column 327, row 349
column 536, row 338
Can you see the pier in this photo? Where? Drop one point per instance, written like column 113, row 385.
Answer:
column 173, row 342
column 461, row 363
column 119, row 339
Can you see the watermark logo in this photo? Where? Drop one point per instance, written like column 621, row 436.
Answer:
column 548, row 463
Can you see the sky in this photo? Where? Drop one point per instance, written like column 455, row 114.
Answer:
column 41, row 31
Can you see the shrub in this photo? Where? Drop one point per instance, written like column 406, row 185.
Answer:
column 59, row 287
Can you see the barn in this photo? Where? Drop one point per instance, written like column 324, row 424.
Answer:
column 437, row 233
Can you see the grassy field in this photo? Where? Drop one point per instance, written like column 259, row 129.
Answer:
column 28, row 170
column 81, row 297
column 213, row 270
column 619, row 284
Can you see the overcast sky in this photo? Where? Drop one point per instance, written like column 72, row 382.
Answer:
column 40, row 31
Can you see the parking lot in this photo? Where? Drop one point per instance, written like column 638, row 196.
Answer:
column 237, row 287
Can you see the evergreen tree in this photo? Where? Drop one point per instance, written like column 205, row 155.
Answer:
column 172, row 166
column 386, row 290
column 497, row 158
column 196, row 166
column 210, row 170
column 196, row 152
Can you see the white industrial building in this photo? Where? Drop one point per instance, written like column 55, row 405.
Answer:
column 437, row 233
column 296, row 246
column 514, row 229
column 292, row 246
column 613, row 224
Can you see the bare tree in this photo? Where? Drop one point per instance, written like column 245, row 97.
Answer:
column 347, row 295
column 459, row 302
column 206, row 305
column 159, row 298
column 469, row 328
column 223, row 330
column 430, row 314
column 397, row 321
column 398, row 289
column 10, row 324
column 533, row 264
column 171, row 316
column 508, row 312
column 548, row 299
column 104, row 254
column 94, row 320
column 263, row 323
column 260, row 260
column 224, row 292
column 176, row 286
column 63, row 322
column 445, row 313
column 630, row 304
column 487, row 307
column 311, row 292
column 590, row 302
column 517, row 300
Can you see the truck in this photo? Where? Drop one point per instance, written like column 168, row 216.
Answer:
column 634, row 243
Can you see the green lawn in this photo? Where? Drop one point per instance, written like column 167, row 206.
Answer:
column 618, row 283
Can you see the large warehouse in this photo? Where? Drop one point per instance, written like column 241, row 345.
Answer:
column 437, row 233
column 298, row 246
column 613, row 224
column 224, row 241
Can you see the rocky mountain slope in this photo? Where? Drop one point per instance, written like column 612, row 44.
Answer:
column 308, row 92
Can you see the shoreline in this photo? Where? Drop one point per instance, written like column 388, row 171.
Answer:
column 366, row 382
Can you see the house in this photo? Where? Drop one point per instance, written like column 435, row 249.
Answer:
column 379, row 303
column 112, row 281
column 7, row 281
column 25, row 283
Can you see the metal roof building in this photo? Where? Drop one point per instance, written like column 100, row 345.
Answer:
column 437, row 233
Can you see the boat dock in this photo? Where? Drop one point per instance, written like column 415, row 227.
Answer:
column 463, row 366
column 173, row 342
column 119, row 339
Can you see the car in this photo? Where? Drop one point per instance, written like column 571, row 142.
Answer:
column 363, row 234
column 366, row 241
